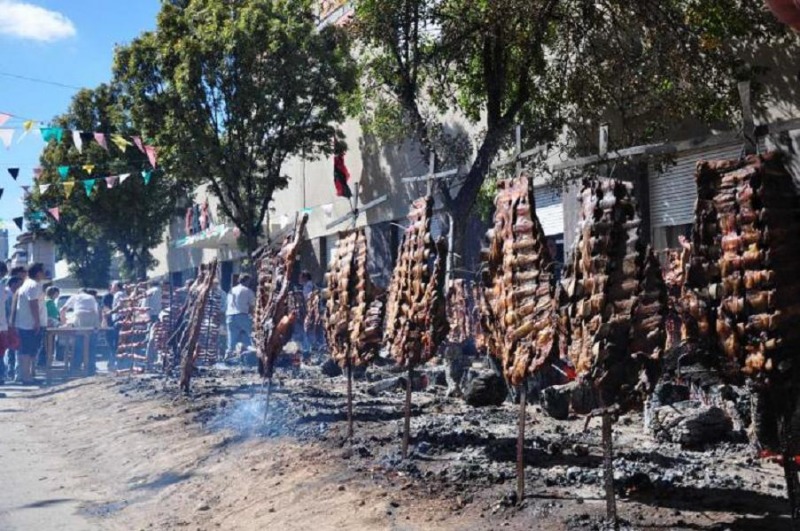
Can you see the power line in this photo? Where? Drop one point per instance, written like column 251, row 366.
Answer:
column 42, row 81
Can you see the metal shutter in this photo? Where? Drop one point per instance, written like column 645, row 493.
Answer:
column 549, row 209
column 673, row 193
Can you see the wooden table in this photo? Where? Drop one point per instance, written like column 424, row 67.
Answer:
column 66, row 331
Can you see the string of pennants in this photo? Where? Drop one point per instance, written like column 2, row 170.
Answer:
column 79, row 138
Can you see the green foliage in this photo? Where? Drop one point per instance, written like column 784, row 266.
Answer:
column 129, row 218
column 558, row 68
column 231, row 90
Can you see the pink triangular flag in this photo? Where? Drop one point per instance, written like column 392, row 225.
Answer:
column 4, row 117
column 100, row 138
column 111, row 181
column 151, row 155
column 37, row 172
column 137, row 141
column 55, row 213
column 6, row 136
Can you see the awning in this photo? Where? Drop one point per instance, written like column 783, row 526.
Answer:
column 216, row 237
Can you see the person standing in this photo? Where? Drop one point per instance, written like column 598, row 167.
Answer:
column 86, row 315
column 152, row 301
column 3, row 324
column 30, row 317
column 241, row 301
column 53, row 317
column 10, row 370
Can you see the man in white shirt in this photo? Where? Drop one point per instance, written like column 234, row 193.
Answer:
column 153, row 301
column 241, row 301
column 87, row 315
column 30, row 316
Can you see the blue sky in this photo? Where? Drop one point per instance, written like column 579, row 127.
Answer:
column 63, row 41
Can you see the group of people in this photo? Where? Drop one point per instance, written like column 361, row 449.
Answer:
column 23, row 317
column 28, row 306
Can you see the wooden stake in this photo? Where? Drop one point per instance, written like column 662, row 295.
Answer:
column 522, row 390
column 608, row 464
column 792, row 487
column 268, row 382
column 407, row 421
column 349, row 398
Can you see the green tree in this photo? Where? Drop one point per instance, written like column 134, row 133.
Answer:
column 129, row 218
column 557, row 67
column 231, row 90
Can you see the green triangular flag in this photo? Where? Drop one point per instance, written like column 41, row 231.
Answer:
column 146, row 174
column 52, row 133
column 89, row 185
column 63, row 171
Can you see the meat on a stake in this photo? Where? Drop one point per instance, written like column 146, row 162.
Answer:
column 518, row 314
column 273, row 316
column 416, row 316
column 416, row 319
column 613, row 300
column 354, row 312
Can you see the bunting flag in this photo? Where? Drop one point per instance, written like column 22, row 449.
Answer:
column 18, row 222
column 27, row 127
column 68, row 187
column 26, row 190
column 111, row 181
column 340, row 177
column 328, row 209
column 14, row 172
column 77, row 140
column 120, row 142
column 88, row 184
column 146, row 174
column 151, row 155
column 137, row 141
column 4, row 118
column 55, row 213
column 43, row 188
column 123, row 177
column 1, row 193
column 37, row 172
column 38, row 216
column 51, row 133
column 6, row 136
column 100, row 138
column 63, row 171
column 88, row 168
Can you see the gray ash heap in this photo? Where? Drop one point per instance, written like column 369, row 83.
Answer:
column 613, row 298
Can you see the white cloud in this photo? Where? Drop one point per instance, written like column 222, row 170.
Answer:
column 29, row 21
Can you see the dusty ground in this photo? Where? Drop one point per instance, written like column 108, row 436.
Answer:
column 131, row 453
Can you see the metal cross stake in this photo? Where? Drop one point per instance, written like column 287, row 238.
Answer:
column 357, row 210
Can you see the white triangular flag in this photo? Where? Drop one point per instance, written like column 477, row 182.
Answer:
column 43, row 188
column 123, row 177
column 6, row 136
column 76, row 138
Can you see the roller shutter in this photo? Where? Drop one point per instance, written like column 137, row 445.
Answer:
column 549, row 209
column 673, row 193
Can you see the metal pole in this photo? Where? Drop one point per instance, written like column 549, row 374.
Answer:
column 523, row 399
column 407, row 420
column 608, row 464
column 431, row 172
column 349, row 398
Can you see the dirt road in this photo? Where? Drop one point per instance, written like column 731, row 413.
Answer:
column 134, row 454
column 80, row 456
